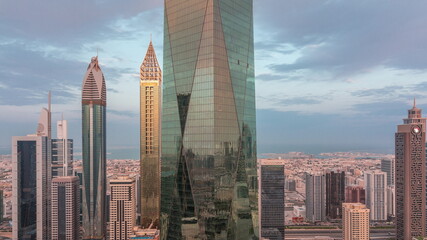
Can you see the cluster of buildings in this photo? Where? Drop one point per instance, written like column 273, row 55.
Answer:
column 208, row 184
column 202, row 123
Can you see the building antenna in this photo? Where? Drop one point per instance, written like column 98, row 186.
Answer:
column 49, row 106
column 151, row 37
column 414, row 103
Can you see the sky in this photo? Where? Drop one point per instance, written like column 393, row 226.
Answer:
column 333, row 75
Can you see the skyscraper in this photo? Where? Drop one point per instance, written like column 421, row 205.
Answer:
column 208, row 121
column 376, row 194
column 335, row 194
column 62, row 152
column 31, row 176
column 355, row 222
column 150, row 109
column 315, row 197
column 387, row 165
column 65, row 208
column 122, row 208
column 94, row 101
column 410, row 179
column 272, row 199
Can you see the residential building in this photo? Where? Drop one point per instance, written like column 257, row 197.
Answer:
column 355, row 222
column 65, row 208
column 387, row 165
column 355, row 194
column 208, row 121
column 315, row 199
column 376, row 194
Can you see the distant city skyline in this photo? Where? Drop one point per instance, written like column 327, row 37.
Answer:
column 312, row 66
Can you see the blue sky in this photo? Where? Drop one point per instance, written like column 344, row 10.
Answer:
column 332, row 75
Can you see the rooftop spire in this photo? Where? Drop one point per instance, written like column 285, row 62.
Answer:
column 150, row 69
column 415, row 105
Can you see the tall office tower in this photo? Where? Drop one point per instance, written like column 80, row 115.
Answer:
column 391, row 201
column 122, row 208
column 65, row 208
column 376, row 194
column 355, row 194
column 410, row 178
column 150, row 109
column 315, row 201
column 208, row 122
column 387, row 165
column 94, row 101
column 31, row 176
column 30, row 192
column 62, row 152
column 335, row 194
column 272, row 198
column 355, row 221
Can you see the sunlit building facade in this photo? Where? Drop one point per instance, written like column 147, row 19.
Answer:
column 208, row 122
column 410, row 179
column 355, row 221
column 150, row 110
column 94, row 152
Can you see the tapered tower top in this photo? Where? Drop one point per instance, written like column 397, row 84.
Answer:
column 414, row 115
column 150, row 69
column 94, row 89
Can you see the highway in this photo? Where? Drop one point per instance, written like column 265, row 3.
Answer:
column 294, row 234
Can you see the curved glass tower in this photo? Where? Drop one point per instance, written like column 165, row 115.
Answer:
column 208, row 187
column 94, row 152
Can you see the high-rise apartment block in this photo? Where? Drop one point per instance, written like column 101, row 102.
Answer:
column 208, row 121
column 335, row 194
column 94, row 102
column 410, row 179
column 272, row 199
column 387, row 165
column 150, row 110
column 62, row 152
column 65, row 208
column 315, row 201
column 376, row 194
column 355, row 221
column 122, row 208
column 391, row 201
column 355, row 194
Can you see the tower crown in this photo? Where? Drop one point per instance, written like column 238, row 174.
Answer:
column 150, row 69
column 94, row 90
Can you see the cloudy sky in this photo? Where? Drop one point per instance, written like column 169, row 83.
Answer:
column 333, row 75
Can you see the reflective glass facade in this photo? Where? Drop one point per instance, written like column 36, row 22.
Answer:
column 94, row 152
column 208, row 173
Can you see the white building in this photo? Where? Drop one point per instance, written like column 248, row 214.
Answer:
column 376, row 194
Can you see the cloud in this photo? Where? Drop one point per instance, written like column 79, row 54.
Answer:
column 344, row 38
column 67, row 21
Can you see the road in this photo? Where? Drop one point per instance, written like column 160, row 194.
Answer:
column 294, row 234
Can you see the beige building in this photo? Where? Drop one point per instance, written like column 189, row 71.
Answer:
column 150, row 107
column 122, row 208
column 355, row 221
column 65, row 208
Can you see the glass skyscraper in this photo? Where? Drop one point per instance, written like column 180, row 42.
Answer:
column 94, row 152
column 209, row 183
